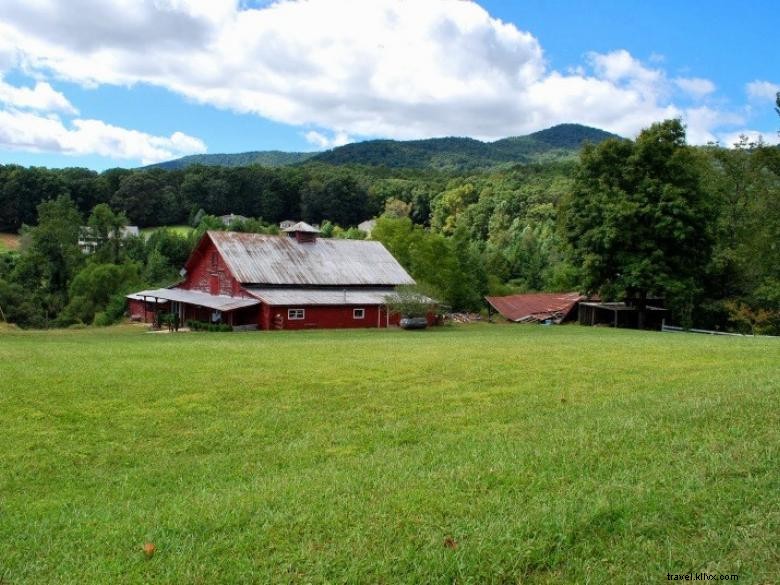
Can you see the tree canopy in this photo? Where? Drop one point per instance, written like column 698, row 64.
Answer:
column 638, row 217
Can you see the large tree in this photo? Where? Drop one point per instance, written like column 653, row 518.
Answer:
column 637, row 219
column 106, row 227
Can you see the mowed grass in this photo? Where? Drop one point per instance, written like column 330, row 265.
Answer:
column 179, row 230
column 472, row 454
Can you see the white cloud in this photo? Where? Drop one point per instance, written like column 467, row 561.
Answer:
column 696, row 87
column 703, row 121
column 656, row 58
column 731, row 138
column 322, row 141
column 762, row 89
column 390, row 68
column 42, row 97
column 39, row 133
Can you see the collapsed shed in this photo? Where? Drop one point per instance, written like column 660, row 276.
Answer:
column 536, row 307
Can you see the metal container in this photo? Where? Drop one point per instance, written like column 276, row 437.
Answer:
column 414, row 323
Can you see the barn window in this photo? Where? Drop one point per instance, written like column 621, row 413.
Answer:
column 296, row 314
column 358, row 313
column 214, row 259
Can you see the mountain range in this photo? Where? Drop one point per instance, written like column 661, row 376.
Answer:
column 452, row 153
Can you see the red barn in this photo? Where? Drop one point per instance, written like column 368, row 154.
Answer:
column 293, row 281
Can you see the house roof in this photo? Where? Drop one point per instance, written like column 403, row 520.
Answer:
column 535, row 307
column 193, row 297
column 231, row 217
column 321, row 296
column 282, row 261
column 301, row 226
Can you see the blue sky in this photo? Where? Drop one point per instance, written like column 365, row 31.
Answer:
column 101, row 83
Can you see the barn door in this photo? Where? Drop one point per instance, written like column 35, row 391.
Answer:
column 214, row 284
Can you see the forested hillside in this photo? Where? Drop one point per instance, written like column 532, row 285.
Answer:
column 654, row 216
column 266, row 158
column 460, row 154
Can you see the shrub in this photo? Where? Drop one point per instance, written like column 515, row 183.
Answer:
column 212, row 327
column 102, row 319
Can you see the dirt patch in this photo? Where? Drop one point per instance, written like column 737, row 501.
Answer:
column 10, row 241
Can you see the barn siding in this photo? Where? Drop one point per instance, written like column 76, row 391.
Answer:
column 203, row 269
column 144, row 311
column 329, row 317
column 136, row 310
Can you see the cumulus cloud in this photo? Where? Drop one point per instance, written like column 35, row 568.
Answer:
column 41, row 97
column 762, row 90
column 391, row 68
column 21, row 130
column 321, row 140
column 730, row 139
column 696, row 87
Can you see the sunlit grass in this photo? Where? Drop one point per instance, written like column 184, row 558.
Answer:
column 512, row 454
column 181, row 230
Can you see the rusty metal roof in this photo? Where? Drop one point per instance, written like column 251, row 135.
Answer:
column 536, row 306
column 321, row 296
column 193, row 297
column 281, row 260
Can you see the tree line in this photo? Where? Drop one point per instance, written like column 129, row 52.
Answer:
column 698, row 226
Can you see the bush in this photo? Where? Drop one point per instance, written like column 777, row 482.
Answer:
column 102, row 320
column 212, row 327
column 410, row 302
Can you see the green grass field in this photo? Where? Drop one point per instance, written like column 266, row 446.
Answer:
column 181, row 230
column 472, row 454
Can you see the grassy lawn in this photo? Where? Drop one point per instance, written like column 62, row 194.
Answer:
column 475, row 454
column 181, row 230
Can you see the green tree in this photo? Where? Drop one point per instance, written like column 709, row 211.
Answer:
column 148, row 198
column 94, row 287
column 106, row 227
column 637, row 220
column 340, row 199
column 55, row 241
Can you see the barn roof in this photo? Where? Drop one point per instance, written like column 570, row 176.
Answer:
column 280, row 260
column 535, row 307
column 321, row 296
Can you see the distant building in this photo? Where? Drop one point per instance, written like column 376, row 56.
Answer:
column 288, row 223
column 230, row 218
column 88, row 240
column 367, row 226
column 292, row 281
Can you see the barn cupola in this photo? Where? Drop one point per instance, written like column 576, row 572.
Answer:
column 302, row 232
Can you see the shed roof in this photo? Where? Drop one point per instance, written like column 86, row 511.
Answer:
column 194, row 297
column 137, row 297
column 535, row 307
column 282, row 261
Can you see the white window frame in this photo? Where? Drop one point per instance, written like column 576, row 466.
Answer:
column 296, row 314
column 355, row 313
